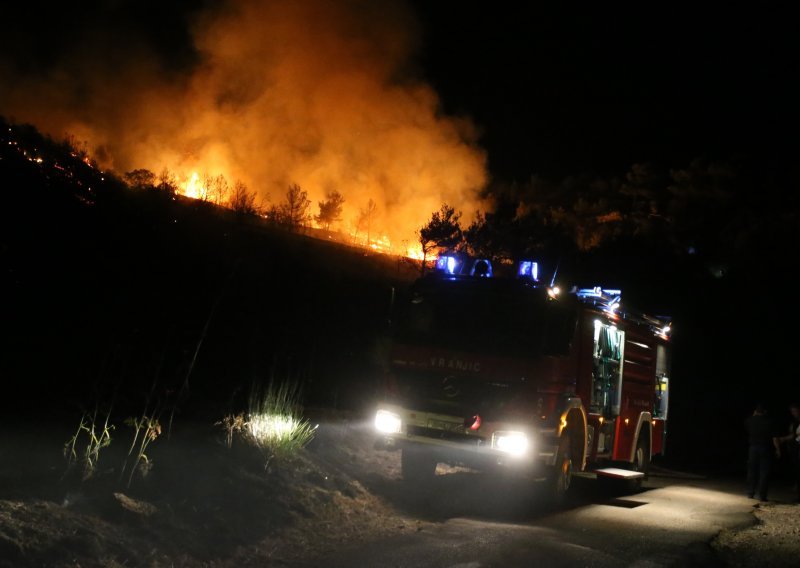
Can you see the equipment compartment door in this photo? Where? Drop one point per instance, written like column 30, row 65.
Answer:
column 608, row 355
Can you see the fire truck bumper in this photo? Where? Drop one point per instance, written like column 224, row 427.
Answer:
column 512, row 447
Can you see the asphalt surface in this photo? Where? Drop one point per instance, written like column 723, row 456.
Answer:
column 472, row 522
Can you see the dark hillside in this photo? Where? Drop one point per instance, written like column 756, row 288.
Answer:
column 111, row 289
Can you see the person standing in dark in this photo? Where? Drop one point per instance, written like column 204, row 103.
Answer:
column 763, row 445
column 791, row 443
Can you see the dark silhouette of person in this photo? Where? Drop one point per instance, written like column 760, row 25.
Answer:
column 791, row 443
column 763, row 445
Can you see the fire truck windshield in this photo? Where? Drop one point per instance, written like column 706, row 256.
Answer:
column 502, row 320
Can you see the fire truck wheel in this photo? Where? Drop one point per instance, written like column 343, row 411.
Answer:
column 417, row 465
column 641, row 459
column 561, row 476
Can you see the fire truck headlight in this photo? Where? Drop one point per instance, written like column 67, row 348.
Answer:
column 387, row 422
column 515, row 443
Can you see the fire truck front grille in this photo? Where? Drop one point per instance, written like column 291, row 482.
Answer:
column 466, row 439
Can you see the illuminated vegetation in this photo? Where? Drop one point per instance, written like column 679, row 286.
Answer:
column 273, row 423
column 84, row 447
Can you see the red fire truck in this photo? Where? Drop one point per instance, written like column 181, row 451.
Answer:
column 513, row 372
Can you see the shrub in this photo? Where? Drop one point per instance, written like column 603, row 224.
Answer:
column 233, row 425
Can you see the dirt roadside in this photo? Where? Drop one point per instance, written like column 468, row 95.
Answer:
column 772, row 540
column 204, row 504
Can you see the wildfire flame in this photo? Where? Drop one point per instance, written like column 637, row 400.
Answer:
column 311, row 92
column 414, row 252
column 192, row 186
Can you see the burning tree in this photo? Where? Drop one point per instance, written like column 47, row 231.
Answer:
column 330, row 210
column 443, row 231
column 78, row 148
column 294, row 210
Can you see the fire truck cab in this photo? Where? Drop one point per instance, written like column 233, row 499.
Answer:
column 511, row 372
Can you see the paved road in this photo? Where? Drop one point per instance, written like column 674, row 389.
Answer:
column 670, row 523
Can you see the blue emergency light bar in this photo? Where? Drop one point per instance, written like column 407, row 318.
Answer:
column 608, row 298
column 482, row 268
column 600, row 293
column 447, row 264
column 528, row 269
column 452, row 265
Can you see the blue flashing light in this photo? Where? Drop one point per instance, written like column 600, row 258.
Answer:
column 482, row 268
column 599, row 292
column 595, row 292
column 447, row 264
column 528, row 269
column 608, row 297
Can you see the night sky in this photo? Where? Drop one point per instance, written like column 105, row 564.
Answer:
column 573, row 91
column 554, row 92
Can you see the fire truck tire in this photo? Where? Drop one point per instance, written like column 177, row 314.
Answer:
column 418, row 465
column 641, row 458
column 560, row 478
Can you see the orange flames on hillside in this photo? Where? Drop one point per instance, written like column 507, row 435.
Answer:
column 317, row 93
column 192, row 186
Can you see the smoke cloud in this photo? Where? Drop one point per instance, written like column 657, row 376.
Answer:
column 316, row 92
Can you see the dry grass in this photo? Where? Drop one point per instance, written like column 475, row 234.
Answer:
column 84, row 447
column 274, row 423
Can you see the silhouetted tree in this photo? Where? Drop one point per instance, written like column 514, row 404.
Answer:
column 78, row 148
column 493, row 236
column 242, row 200
column 205, row 187
column 141, row 179
column 442, row 232
column 643, row 194
column 294, row 210
column 218, row 189
column 365, row 217
column 330, row 210
column 704, row 206
column 167, row 182
column 272, row 214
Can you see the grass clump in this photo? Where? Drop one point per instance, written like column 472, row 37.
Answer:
column 273, row 423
